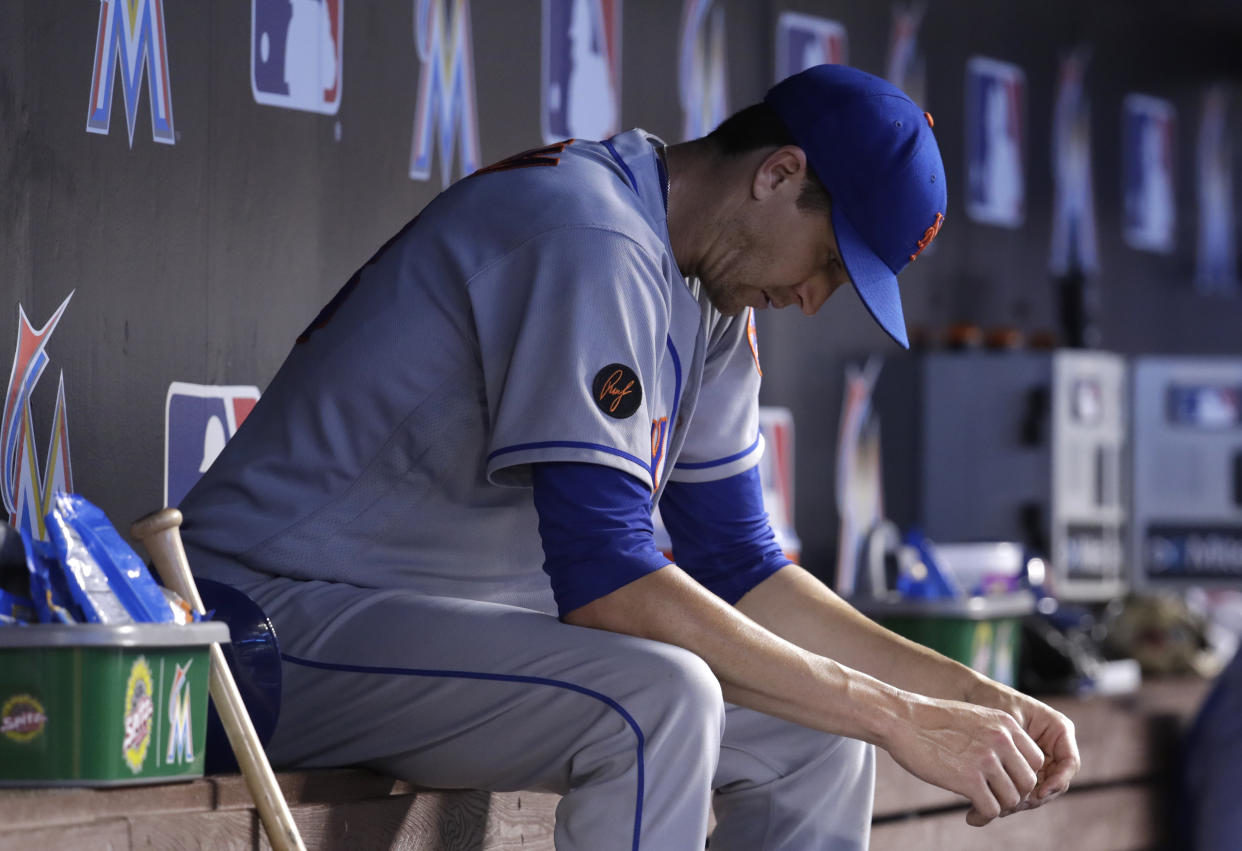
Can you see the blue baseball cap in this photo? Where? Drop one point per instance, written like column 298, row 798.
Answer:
column 874, row 151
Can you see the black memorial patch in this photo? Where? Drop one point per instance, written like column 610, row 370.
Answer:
column 616, row 391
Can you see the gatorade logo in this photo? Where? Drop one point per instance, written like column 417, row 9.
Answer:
column 616, row 391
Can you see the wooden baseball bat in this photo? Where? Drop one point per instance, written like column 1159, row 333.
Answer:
column 161, row 536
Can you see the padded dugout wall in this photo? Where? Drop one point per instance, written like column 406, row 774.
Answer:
column 202, row 259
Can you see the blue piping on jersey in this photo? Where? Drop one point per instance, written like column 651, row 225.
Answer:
column 575, row 444
column 629, row 174
column 662, row 171
column 672, row 417
column 505, row 678
column 702, row 465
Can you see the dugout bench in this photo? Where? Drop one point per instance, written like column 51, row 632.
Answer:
column 1119, row 801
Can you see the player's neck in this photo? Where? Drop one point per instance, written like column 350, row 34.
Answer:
column 703, row 189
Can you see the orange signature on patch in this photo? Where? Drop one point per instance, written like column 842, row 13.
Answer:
column 610, row 389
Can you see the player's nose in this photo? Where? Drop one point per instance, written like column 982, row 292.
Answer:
column 812, row 294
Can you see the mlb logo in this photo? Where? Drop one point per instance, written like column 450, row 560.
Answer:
column 198, row 420
column 995, row 142
column 295, row 53
column 803, row 41
column 1149, row 208
column 581, row 69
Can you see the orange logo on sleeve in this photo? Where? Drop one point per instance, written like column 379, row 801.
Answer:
column 659, row 433
column 929, row 235
column 752, row 335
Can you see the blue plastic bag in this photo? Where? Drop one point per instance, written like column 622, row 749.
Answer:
column 48, row 590
column 15, row 609
column 106, row 577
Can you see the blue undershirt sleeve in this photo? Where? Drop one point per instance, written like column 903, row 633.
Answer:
column 720, row 533
column 595, row 522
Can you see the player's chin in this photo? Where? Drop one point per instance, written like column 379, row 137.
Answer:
column 731, row 302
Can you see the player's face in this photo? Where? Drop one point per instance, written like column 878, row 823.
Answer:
column 784, row 256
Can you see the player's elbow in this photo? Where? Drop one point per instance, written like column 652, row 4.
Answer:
column 604, row 613
column 629, row 609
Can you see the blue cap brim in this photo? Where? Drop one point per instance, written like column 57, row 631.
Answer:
column 875, row 282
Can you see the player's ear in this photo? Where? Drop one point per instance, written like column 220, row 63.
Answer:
column 780, row 171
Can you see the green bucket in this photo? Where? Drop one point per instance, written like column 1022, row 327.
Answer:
column 983, row 633
column 97, row 705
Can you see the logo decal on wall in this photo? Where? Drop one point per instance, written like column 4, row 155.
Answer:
column 995, row 142
column 1074, row 246
column 860, row 482
column 776, row 472
column 131, row 36
column 1148, row 201
column 804, row 40
column 1216, row 269
column 198, row 420
column 27, row 490
column 581, row 69
column 447, row 110
column 296, row 55
column 702, row 80
column 906, row 67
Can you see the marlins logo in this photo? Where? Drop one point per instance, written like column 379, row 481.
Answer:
column 198, row 420
column 1073, row 207
column 180, row 723
column 28, row 491
column 701, row 68
column 803, row 41
column 581, row 69
column 906, row 67
column 776, row 475
column 447, row 110
column 1148, row 200
column 295, row 53
column 131, row 36
column 995, row 142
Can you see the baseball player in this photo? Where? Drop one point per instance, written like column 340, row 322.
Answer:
column 444, row 498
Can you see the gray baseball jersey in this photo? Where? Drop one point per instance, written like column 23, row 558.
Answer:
column 533, row 312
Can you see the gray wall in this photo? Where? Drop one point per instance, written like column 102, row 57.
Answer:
column 200, row 261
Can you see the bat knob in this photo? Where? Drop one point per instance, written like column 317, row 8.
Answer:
column 155, row 522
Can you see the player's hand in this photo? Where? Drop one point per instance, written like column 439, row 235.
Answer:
column 978, row 752
column 1052, row 731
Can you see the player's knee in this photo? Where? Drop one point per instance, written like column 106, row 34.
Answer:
column 687, row 690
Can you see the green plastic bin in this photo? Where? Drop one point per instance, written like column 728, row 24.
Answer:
column 96, row 705
column 982, row 632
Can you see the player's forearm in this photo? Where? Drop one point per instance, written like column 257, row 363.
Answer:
column 798, row 607
column 756, row 668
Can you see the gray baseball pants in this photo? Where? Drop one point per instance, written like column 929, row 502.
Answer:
column 633, row 733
